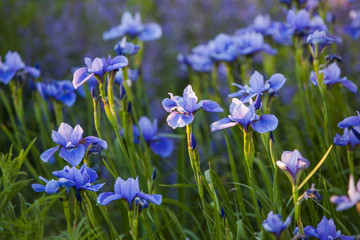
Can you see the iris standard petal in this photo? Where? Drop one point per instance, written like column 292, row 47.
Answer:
column 116, row 63
column 129, row 189
column 266, row 123
column 276, row 81
column 154, row 198
column 76, row 135
column 256, row 81
column 176, row 119
column 151, row 31
column 65, row 130
column 45, row 156
column 350, row 121
column 190, row 99
column 168, row 104
column 222, row 124
column 162, row 146
column 106, row 197
column 58, row 138
column 210, row 106
column 81, row 76
column 74, row 155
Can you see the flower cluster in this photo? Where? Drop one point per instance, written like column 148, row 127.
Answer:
column 62, row 91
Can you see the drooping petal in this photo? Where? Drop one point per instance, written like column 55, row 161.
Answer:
column 266, row 123
column 222, row 124
column 52, row 186
column 154, row 198
column 349, row 85
column 151, row 31
column 93, row 188
column 34, row 72
column 74, row 155
column 45, row 156
column 162, row 146
column 38, row 187
column 176, row 119
column 106, row 197
column 81, row 76
column 277, row 81
column 62, row 173
column 350, row 121
column 6, row 75
column 210, row 106
column 114, row 32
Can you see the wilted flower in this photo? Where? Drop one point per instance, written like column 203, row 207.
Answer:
column 12, row 65
column 182, row 109
column 318, row 41
column 127, row 190
column 126, row 48
column 258, row 86
column 161, row 146
column 326, row 230
column 134, row 28
column 72, row 143
column 312, row 193
column 332, row 76
column 62, row 91
column 353, row 199
column 292, row 163
column 275, row 225
column 70, row 177
column 98, row 67
column 245, row 116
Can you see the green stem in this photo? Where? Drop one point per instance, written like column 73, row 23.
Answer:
column 65, row 203
column 297, row 206
column 350, row 158
column 58, row 112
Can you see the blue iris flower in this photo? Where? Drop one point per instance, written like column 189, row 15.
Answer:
column 352, row 121
column 161, row 146
column 12, row 65
column 354, row 28
column 197, row 62
column 98, row 67
column 332, row 76
column 243, row 115
column 325, row 230
column 126, row 48
column 72, row 143
column 182, row 109
column 133, row 27
column 251, row 42
column 293, row 163
column 62, row 91
column 70, row 177
column 259, row 86
column 127, row 190
column 222, row 48
column 348, row 138
column 320, row 40
column 353, row 199
column 275, row 225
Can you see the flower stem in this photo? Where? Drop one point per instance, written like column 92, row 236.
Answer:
column 65, row 203
column 297, row 206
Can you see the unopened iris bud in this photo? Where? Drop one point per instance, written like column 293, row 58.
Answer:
column 129, row 107
column 193, row 143
column 259, row 203
column 272, row 137
column 122, row 91
column 223, row 215
column 153, row 175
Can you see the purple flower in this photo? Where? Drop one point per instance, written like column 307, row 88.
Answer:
column 318, row 41
column 274, row 225
column 98, row 67
column 62, row 91
column 332, row 76
column 293, row 163
column 70, row 177
column 348, row 138
column 126, row 48
column 14, row 64
column 252, row 42
column 127, row 190
column 72, row 143
column 161, row 146
column 182, row 109
column 353, row 199
column 326, row 230
column 222, row 48
column 352, row 121
column 258, row 86
column 298, row 22
column 245, row 116
column 133, row 27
